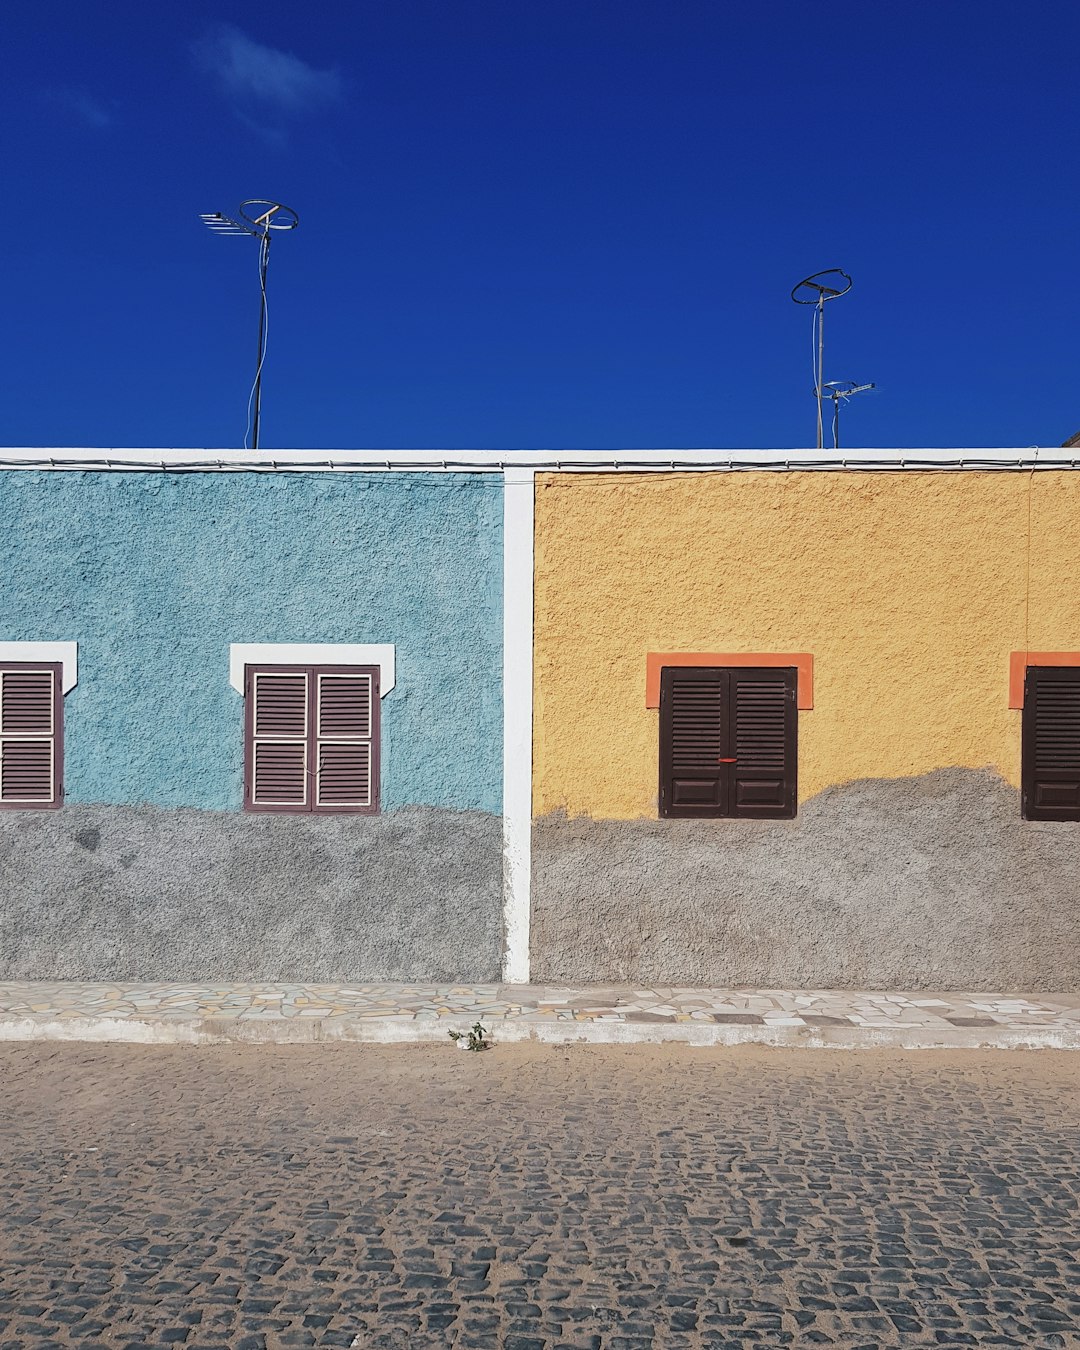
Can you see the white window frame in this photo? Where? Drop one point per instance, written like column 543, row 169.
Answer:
column 381, row 654
column 64, row 654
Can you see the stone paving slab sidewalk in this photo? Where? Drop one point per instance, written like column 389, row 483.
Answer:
column 613, row 1014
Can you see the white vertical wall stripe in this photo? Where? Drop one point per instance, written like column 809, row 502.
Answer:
column 517, row 719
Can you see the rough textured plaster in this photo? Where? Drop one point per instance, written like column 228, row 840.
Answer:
column 909, row 589
column 156, row 574
column 930, row 882
column 139, row 893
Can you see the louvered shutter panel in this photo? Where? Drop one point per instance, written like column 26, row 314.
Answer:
column 278, row 742
column 346, row 752
column 694, row 780
column 765, row 717
column 1051, row 743
column 728, row 741
column 30, row 736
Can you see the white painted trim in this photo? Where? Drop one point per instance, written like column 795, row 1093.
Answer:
column 556, row 461
column 381, row 654
column 517, row 720
column 66, row 653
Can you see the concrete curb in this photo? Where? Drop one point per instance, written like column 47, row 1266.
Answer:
column 406, row 1030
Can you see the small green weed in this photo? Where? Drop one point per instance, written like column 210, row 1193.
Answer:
column 477, row 1037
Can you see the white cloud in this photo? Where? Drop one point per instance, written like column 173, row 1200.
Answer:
column 249, row 73
column 84, row 106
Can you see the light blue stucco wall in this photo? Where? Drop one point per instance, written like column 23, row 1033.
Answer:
column 156, row 574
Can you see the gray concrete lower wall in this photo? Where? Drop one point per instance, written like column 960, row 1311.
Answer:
column 139, row 893
column 930, row 882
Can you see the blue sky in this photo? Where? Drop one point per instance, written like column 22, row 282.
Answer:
column 560, row 223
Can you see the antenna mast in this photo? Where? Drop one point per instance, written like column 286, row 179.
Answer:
column 840, row 391
column 258, row 218
column 816, row 290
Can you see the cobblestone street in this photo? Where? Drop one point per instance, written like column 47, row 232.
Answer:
column 537, row 1197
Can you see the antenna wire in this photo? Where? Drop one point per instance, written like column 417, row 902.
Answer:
column 264, row 330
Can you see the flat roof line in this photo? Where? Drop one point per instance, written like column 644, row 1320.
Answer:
column 552, row 461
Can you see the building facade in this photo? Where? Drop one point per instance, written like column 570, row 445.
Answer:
column 733, row 719
column 898, row 599
column 169, row 584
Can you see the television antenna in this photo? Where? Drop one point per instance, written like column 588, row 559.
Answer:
column 840, row 391
column 816, row 290
column 259, row 219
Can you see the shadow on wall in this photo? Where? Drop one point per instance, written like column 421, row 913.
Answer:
column 144, row 893
column 923, row 883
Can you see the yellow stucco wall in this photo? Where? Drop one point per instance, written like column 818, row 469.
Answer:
column 910, row 589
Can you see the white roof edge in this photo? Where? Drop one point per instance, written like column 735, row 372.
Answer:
column 496, row 461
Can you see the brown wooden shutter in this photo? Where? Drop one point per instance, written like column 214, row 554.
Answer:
column 346, row 751
column 31, row 736
column 312, row 739
column 765, row 741
column 277, row 714
column 694, row 781
column 1050, row 776
column 728, row 741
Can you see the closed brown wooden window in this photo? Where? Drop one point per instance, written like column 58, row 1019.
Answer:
column 1050, row 777
column 311, row 739
column 31, row 736
column 728, row 739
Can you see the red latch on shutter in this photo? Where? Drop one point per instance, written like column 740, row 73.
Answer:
column 727, row 761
